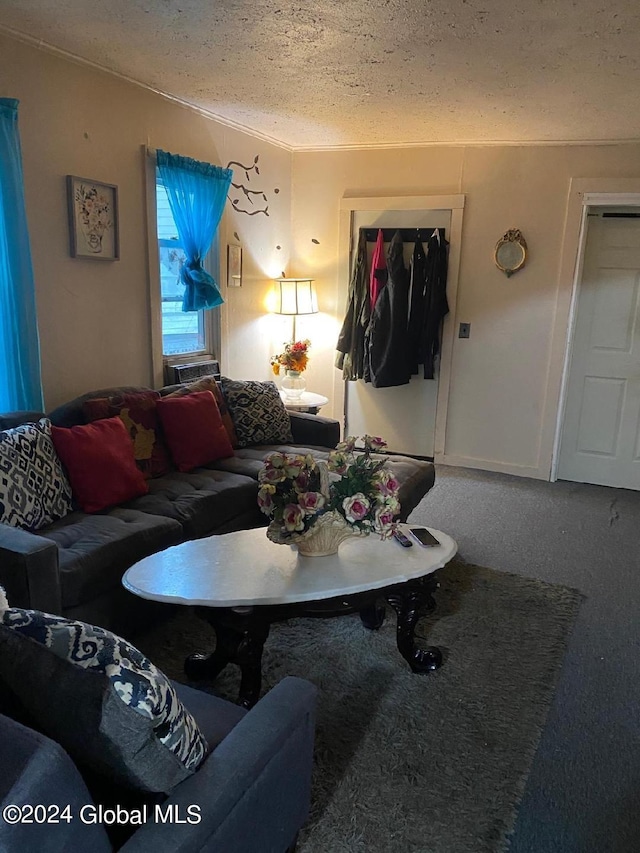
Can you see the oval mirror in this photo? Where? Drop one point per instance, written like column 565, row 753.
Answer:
column 510, row 252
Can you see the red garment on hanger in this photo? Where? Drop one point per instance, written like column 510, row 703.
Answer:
column 378, row 277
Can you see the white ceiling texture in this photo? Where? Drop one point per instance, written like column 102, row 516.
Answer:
column 323, row 73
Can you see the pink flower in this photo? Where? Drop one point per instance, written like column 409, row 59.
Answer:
column 294, row 465
column 355, row 507
column 293, row 518
column 265, row 498
column 337, row 461
column 373, row 442
column 272, row 475
column 386, row 483
column 301, row 482
column 384, row 520
column 311, row 502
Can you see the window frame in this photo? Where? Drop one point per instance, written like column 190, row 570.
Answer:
column 212, row 323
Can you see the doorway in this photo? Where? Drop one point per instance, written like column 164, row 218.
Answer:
column 600, row 438
column 404, row 415
column 412, row 418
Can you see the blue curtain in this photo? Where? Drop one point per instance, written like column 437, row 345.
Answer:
column 197, row 193
column 20, row 383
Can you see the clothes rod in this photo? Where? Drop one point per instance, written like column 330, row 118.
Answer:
column 409, row 235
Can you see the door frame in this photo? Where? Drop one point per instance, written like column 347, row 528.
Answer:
column 452, row 203
column 584, row 193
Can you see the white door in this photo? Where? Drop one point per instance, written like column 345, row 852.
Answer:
column 601, row 431
column 404, row 415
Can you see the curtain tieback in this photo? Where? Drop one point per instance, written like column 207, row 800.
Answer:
column 201, row 290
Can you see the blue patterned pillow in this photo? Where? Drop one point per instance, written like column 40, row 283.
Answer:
column 100, row 698
column 258, row 412
column 34, row 490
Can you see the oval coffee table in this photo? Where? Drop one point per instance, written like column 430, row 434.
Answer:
column 242, row 583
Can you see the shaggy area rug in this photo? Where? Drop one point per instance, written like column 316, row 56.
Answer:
column 431, row 763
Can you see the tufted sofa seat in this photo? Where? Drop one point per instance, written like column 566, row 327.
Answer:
column 74, row 566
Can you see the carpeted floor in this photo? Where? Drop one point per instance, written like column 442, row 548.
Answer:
column 431, row 764
column 583, row 792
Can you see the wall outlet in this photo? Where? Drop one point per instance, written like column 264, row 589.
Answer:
column 465, row 330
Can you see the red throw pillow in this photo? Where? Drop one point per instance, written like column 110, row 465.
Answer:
column 138, row 413
column 208, row 383
column 100, row 463
column 193, row 429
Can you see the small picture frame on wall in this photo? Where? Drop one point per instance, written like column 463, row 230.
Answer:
column 93, row 219
column 234, row 265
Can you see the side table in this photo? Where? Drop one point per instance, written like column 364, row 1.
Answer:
column 306, row 402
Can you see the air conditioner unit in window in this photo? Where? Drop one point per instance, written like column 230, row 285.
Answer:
column 182, row 373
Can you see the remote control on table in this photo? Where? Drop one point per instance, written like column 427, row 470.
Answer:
column 399, row 536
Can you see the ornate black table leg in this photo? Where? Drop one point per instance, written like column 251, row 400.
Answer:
column 240, row 639
column 372, row 616
column 412, row 600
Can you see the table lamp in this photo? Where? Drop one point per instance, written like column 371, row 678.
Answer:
column 295, row 296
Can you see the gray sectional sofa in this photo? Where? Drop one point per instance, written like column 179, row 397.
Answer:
column 74, row 566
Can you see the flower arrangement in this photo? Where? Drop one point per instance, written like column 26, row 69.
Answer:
column 293, row 357
column 296, row 490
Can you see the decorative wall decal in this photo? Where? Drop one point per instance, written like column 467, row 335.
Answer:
column 248, row 194
column 235, row 234
column 276, row 191
column 317, row 242
column 278, row 247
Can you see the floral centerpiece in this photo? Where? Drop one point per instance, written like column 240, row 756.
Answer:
column 315, row 504
column 294, row 357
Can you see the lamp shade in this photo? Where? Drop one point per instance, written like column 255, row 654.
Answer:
column 296, row 296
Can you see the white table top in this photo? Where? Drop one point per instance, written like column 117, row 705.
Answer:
column 245, row 568
column 307, row 400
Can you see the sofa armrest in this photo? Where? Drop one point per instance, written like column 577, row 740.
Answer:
column 314, row 430
column 29, row 570
column 9, row 420
column 36, row 771
column 254, row 790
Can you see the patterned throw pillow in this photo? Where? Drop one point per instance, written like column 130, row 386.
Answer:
column 100, row 698
column 208, row 383
column 138, row 413
column 34, row 490
column 258, row 412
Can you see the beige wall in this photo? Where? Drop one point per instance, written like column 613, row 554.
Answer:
column 94, row 316
column 500, row 403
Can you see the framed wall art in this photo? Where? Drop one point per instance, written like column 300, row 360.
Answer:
column 93, row 219
column 234, row 265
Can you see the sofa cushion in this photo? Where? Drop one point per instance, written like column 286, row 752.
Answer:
column 34, row 489
column 99, row 698
column 202, row 500
column 95, row 550
column 99, row 460
column 193, row 429
column 208, row 383
column 258, row 412
column 138, row 413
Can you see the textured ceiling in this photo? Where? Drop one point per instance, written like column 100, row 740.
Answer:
column 320, row 73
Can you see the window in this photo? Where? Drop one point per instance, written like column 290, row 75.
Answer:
column 193, row 332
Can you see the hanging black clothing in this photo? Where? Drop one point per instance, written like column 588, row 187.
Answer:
column 351, row 340
column 436, row 305
column 417, row 310
column 387, row 334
